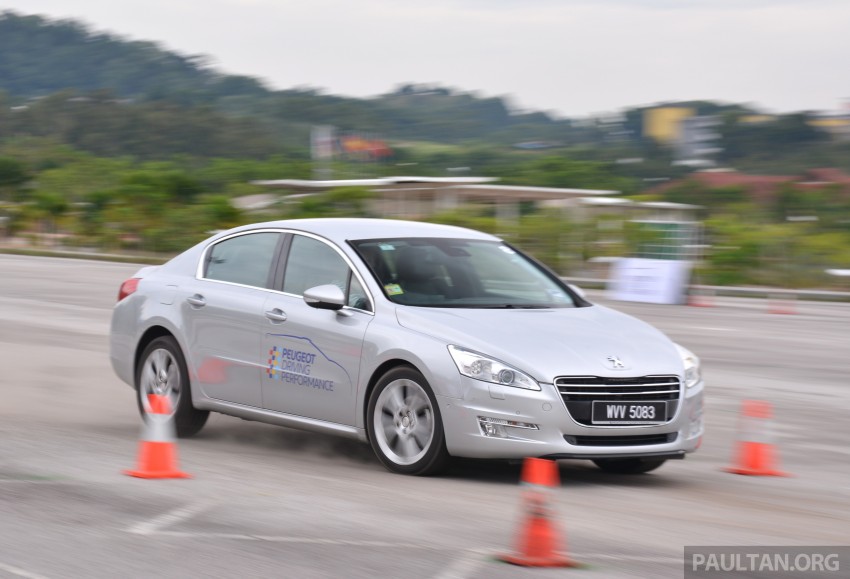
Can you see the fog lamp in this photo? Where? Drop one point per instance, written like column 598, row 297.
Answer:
column 494, row 430
column 497, row 427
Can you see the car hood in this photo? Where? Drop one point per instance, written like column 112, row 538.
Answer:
column 546, row 343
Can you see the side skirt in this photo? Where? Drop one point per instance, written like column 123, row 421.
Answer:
column 280, row 418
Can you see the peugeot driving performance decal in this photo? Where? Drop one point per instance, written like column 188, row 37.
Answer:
column 302, row 365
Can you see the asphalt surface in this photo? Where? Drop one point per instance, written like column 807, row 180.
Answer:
column 269, row 501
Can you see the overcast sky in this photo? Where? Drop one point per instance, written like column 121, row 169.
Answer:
column 572, row 57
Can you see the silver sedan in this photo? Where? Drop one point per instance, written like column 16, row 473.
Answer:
column 425, row 341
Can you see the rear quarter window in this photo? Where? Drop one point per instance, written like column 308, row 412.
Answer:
column 245, row 259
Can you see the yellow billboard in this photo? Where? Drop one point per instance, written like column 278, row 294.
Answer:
column 664, row 123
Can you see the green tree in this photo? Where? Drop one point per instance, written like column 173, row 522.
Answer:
column 49, row 207
column 218, row 212
column 13, row 174
column 553, row 171
column 337, row 202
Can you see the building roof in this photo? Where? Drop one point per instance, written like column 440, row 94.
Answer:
column 481, row 188
column 762, row 187
column 826, row 176
column 524, row 193
column 381, row 182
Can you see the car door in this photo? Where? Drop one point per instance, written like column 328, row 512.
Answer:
column 313, row 355
column 224, row 316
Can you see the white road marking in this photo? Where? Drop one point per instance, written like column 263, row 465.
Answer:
column 20, row 572
column 715, row 329
column 470, row 561
column 463, row 567
column 300, row 540
column 170, row 518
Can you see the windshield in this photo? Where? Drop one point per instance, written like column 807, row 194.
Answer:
column 460, row 273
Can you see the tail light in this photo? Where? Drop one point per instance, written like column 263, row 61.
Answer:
column 128, row 287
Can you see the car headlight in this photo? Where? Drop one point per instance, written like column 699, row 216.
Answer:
column 480, row 367
column 693, row 374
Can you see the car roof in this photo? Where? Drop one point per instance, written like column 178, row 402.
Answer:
column 340, row 230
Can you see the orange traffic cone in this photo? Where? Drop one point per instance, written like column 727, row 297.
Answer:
column 756, row 455
column 539, row 539
column 157, row 450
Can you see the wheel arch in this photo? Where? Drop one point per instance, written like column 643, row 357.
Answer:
column 188, row 420
column 149, row 336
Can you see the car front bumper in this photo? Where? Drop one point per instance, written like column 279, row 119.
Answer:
column 557, row 434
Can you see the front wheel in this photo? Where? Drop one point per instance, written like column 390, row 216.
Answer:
column 629, row 465
column 404, row 424
column 162, row 371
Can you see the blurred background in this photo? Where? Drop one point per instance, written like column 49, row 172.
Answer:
column 119, row 145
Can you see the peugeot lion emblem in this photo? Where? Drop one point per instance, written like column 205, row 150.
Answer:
column 616, row 363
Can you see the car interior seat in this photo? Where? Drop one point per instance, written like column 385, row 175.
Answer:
column 418, row 272
column 373, row 256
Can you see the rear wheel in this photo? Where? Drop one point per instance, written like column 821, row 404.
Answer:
column 629, row 465
column 162, row 371
column 404, row 424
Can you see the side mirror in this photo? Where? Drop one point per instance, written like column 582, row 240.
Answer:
column 325, row 297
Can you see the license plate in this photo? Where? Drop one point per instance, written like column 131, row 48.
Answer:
column 620, row 412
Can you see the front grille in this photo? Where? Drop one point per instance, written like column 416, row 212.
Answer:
column 579, row 392
column 639, row 440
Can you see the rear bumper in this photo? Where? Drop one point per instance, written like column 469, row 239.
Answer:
column 557, row 435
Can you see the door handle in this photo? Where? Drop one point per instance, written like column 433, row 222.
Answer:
column 276, row 315
column 197, row 300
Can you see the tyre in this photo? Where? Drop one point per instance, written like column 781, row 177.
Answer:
column 629, row 465
column 162, row 370
column 404, row 425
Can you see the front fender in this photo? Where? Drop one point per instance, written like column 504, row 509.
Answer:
column 428, row 355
